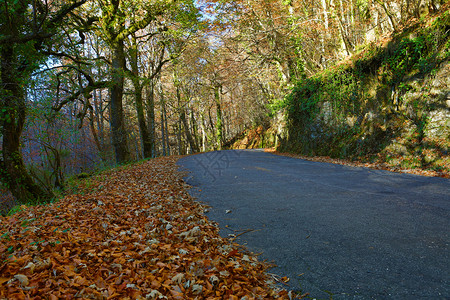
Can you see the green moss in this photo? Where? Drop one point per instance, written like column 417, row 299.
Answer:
column 356, row 110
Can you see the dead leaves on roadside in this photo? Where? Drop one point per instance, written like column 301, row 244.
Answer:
column 381, row 165
column 136, row 234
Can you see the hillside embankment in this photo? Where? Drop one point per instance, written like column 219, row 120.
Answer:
column 387, row 104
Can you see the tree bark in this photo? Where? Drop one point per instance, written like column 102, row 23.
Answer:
column 150, row 105
column 119, row 134
column 189, row 137
column 164, row 129
column 203, row 129
column 181, row 149
column 194, row 127
column 219, row 125
column 94, row 132
column 147, row 143
column 389, row 14
column 163, row 132
column 338, row 12
column 12, row 119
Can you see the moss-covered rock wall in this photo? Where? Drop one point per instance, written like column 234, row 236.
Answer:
column 389, row 101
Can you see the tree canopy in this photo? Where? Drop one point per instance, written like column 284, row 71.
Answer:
column 91, row 83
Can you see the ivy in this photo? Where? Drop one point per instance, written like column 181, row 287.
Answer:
column 328, row 112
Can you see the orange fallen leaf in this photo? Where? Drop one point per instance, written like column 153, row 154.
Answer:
column 3, row 280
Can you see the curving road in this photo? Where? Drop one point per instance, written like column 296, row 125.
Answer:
column 345, row 232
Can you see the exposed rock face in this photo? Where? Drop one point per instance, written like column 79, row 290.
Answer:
column 439, row 118
column 425, row 137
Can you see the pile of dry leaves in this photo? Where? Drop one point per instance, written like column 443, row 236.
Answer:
column 130, row 233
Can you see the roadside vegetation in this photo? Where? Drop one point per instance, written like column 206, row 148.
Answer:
column 386, row 106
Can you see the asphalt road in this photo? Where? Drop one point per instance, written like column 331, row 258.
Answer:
column 353, row 233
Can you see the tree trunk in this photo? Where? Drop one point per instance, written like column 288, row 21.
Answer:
column 219, row 125
column 194, row 127
column 94, row 132
column 150, row 105
column 119, row 134
column 181, row 149
column 389, row 14
column 339, row 14
column 147, row 143
column 189, row 137
column 324, row 36
column 164, row 130
column 99, row 118
column 12, row 119
column 203, row 129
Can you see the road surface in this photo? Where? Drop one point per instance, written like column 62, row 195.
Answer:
column 345, row 232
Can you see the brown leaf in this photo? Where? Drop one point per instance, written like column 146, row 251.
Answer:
column 22, row 279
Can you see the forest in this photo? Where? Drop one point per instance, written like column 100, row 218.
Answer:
column 89, row 84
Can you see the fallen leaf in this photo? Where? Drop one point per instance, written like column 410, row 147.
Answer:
column 22, row 279
column 214, row 280
column 30, row 266
column 178, row 278
column 197, row 288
